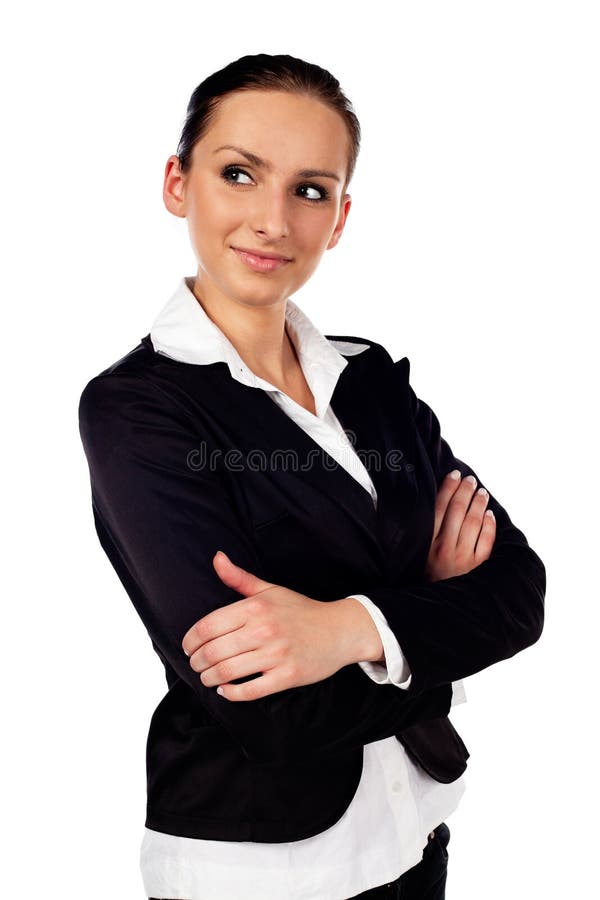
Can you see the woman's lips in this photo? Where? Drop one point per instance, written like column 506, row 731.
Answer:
column 260, row 263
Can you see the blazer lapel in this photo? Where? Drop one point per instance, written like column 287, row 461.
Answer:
column 377, row 419
column 256, row 423
column 245, row 419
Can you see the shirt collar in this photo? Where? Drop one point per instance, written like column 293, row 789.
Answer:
column 183, row 331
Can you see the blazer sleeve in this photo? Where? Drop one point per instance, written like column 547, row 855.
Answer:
column 453, row 628
column 394, row 669
column 160, row 521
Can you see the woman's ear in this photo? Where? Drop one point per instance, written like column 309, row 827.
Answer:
column 345, row 205
column 174, row 188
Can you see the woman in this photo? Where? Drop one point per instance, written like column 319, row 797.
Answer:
column 314, row 621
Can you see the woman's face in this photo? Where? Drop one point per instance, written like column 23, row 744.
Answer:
column 286, row 199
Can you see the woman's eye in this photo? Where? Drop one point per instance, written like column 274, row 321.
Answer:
column 230, row 171
column 233, row 174
column 321, row 193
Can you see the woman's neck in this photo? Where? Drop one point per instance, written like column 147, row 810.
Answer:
column 258, row 334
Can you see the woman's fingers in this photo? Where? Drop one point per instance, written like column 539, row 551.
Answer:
column 456, row 513
column 478, row 531
column 269, row 682
column 463, row 533
column 472, row 522
column 448, row 488
column 229, row 670
column 486, row 539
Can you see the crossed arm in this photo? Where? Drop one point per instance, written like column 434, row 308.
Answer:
column 292, row 639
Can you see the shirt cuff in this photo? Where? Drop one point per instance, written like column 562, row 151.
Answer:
column 395, row 670
column 458, row 693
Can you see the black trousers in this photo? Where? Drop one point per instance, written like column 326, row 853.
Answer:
column 425, row 881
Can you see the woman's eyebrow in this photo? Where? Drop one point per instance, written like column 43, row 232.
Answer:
column 261, row 164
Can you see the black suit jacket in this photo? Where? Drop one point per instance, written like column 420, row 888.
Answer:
column 183, row 461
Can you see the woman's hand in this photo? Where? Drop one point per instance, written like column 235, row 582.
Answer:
column 463, row 531
column 286, row 636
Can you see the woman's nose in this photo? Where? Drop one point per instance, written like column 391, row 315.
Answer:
column 270, row 215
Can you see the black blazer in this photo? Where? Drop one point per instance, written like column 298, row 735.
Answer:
column 184, row 461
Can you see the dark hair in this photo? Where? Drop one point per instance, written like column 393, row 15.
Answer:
column 264, row 71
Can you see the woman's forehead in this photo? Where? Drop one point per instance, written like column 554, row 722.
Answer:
column 274, row 125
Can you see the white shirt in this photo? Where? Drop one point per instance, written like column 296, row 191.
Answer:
column 397, row 804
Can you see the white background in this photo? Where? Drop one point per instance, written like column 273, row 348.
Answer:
column 471, row 247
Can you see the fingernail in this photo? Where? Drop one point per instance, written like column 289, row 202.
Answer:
column 220, row 690
column 471, row 479
column 482, row 491
column 455, row 474
column 489, row 512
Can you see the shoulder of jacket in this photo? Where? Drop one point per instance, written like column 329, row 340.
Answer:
column 135, row 376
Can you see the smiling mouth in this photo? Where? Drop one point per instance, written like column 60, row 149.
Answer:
column 261, row 263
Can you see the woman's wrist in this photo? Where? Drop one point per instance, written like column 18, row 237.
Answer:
column 357, row 632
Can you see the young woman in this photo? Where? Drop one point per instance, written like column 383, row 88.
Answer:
column 315, row 568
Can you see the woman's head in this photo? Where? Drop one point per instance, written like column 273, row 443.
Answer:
column 267, row 150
